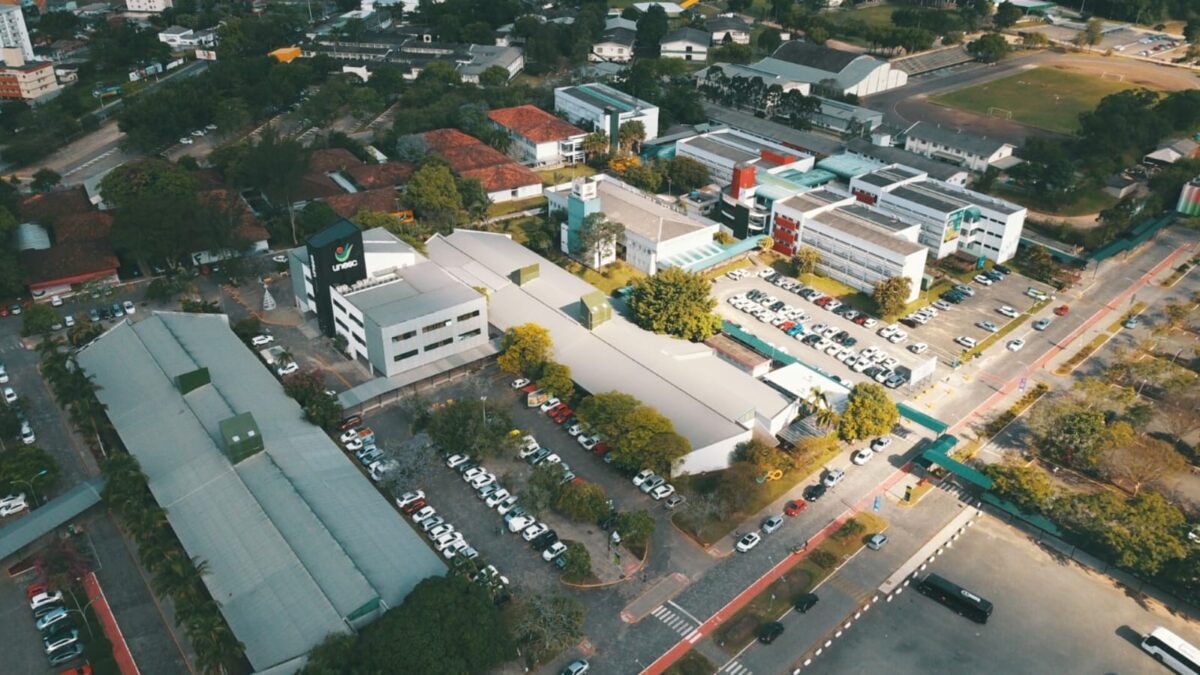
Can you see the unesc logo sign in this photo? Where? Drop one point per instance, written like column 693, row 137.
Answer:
column 342, row 255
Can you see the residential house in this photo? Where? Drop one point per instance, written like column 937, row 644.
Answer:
column 689, row 44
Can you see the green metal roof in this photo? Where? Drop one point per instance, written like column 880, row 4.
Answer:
column 936, row 454
column 23, row 531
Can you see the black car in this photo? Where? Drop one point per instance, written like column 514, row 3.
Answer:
column 806, row 602
column 849, row 342
column 776, row 306
column 814, row 492
column 909, row 322
column 839, row 336
column 1002, row 269
column 544, row 540
column 466, row 466
column 811, row 339
column 769, row 632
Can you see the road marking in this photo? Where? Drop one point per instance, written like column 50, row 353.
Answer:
column 684, row 611
column 735, row 668
column 676, row 623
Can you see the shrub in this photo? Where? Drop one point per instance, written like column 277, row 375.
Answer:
column 823, row 558
column 849, row 529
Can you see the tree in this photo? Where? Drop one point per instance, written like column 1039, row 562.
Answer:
column 1027, row 487
column 651, row 27
column 546, row 625
column 635, row 527
column 675, row 302
column 805, row 260
column 737, row 487
column 596, row 144
column 462, row 427
column 273, row 165
column 1007, row 14
column 22, row 465
column 989, row 48
column 315, row 217
column 526, row 348
column 598, row 238
column 1094, row 31
column 39, row 319
column 556, row 379
column 869, row 412
column 433, row 195
column 686, row 174
column 582, row 502
column 494, row 76
column 1145, row 461
column 630, row 135
column 151, row 179
column 643, row 176
column 545, row 484
column 578, row 561
column 45, row 179
column 769, row 40
column 640, row 436
column 1191, row 29
column 891, row 295
column 1076, row 438
column 1143, row 534
column 763, row 456
column 324, row 411
column 1033, row 40
column 1178, row 413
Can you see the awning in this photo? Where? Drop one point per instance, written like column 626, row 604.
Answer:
column 936, row 454
column 42, row 521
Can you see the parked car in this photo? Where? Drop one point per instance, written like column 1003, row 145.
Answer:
column 769, row 632
column 423, row 513
column 287, row 369
column 44, row 599
column 662, row 491
column 553, row 551
column 747, row 542
column 1041, row 324
column 67, row 654
column 834, row 477
column 580, row 666
column 1008, row 311
column 814, row 492
column 794, row 507
column 519, row 382
column 262, row 340
column 862, row 456
column 534, row 531
column 409, row 497
column 806, row 602
column 918, row 348
column 965, row 341
column 1015, row 345
column 1131, row 322
column 674, row 501
column 56, row 642
column 642, row 476
column 771, row 524
column 877, row 541
column 651, row 483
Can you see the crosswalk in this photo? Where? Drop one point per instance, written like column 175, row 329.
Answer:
column 676, row 622
column 735, row 668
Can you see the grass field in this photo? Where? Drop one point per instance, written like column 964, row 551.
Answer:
column 1043, row 97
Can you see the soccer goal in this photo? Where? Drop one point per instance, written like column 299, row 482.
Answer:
column 999, row 112
column 1116, row 77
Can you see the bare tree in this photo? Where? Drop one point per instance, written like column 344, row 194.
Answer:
column 1180, row 413
column 548, row 624
column 1144, row 461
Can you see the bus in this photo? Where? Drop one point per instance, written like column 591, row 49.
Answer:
column 963, row 602
column 1172, row 651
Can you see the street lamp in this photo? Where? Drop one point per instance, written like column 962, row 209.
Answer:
column 29, row 482
column 483, row 401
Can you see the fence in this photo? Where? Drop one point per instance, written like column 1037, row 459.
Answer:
column 112, row 631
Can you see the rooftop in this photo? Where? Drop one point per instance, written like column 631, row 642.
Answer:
column 954, row 138
column 507, row 176
column 892, row 155
column 388, row 174
column 725, row 150
column 643, row 215
column 602, row 96
column 534, row 123
column 726, row 23
column 817, row 56
column 297, row 540
column 866, row 230
column 686, row 34
column 621, row 36
column 810, row 141
column 708, row 400
column 348, row 205
column 921, row 193
column 417, row 290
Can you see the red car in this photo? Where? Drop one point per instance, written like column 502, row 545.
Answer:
column 350, row 422
column 821, row 302
column 1062, row 310
column 558, row 406
column 3, row 311
column 794, row 507
column 601, row 449
column 413, row 507
column 787, row 325
column 36, row 589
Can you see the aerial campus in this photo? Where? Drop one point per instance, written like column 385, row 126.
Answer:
column 751, row 337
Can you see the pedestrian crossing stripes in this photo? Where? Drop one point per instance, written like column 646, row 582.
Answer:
column 675, row 622
column 735, row 668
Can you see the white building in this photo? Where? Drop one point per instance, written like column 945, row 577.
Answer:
column 845, row 72
column 149, row 6
column 952, row 218
column 656, row 235
column 728, row 29
column 600, row 107
column 723, row 150
column 859, row 246
column 13, row 33
column 178, row 37
column 396, row 310
column 539, row 138
column 976, row 153
column 615, row 44
column 689, row 44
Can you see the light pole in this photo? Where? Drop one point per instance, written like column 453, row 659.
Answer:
column 483, row 401
column 29, row 482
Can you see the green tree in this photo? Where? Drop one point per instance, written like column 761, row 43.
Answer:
column 494, row 76
column 686, row 174
column 598, row 238
column 433, row 195
column 146, row 180
column 989, row 48
column 737, row 488
column 631, row 135
column 643, row 176
column 556, row 379
column 1094, row 32
column 675, row 302
column 545, row 484
column 582, row 502
column 526, row 348
column 44, row 180
column 763, row 456
column 578, row 562
column 315, row 217
column 324, row 411
column 1027, row 487
column 1007, row 14
column 1077, row 438
column 1143, row 534
column 651, row 27
column 635, row 527
column 640, row 436
column 21, row 466
column 805, row 260
column 769, row 40
column 39, row 319
column 891, row 295
column 869, row 412
column 462, row 427
column 595, row 144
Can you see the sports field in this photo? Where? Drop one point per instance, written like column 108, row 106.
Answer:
column 1047, row 98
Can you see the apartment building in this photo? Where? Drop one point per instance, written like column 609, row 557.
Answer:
column 13, row 32
column 21, row 81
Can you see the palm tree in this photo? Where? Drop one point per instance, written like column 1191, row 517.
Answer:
column 145, row 523
column 285, row 356
column 818, row 402
column 214, row 642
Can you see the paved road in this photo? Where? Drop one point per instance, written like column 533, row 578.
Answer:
column 1051, row 616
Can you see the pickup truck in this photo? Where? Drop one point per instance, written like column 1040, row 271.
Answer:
column 366, row 435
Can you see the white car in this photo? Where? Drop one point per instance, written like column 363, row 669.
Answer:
column 496, row 497
column 457, row 460
column 262, row 340
column 13, row 507
column 534, row 531
column 642, row 477
column 186, row 141
column 10, row 396
column 942, row 305
column 380, row 469
column 27, row 435
column 880, row 444
column 440, row 530
column 918, row 348
column 481, row 480
column 69, row 321
column 455, row 548
column 18, row 498
column 862, row 456
column 354, row 444
column 1015, row 345
column 129, row 308
column 472, row 473
column 430, row 524
column 529, row 442
column 1007, row 311
column 527, row 451
column 507, row 505
column 834, row 477
column 519, row 382
column 982, row 280
column 662, row 492
column 574, row 429
column 43, row 599
column 423, row 513
column 409, row 497
column 748, row 542
column 556, row 549
column 290, row 368
column 965, row 341
column 550, row 459
column 898, row 337
column 987, row 325
column 520, row 523
column 588, row 442
column 348, row 435
column 550, row 404
column 446, row 539
column 281, row 258
column 3, row 374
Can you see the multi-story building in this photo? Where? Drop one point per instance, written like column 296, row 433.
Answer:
column 615, row 44
column 25, row 81
column 951, row 218
column 178, row 37
column 395, row 310
column 689, row 44
column 149, row 6
column 859, row 246
column 976, row 153
column 13, row 33
column 599, row 107
column 539, row 138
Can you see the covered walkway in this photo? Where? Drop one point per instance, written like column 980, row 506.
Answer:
column 41, row 521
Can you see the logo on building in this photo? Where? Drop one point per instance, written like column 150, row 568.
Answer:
column 342, row 255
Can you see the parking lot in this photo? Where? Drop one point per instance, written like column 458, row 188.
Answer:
column 1126, row 41
column 1050, row 616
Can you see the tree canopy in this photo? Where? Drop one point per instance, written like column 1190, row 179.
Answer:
column 675, row 302
column 869, row 412
column 526, row 348
column 891, row 295
column 640, row 436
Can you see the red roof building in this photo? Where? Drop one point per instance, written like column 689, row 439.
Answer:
column 348, row 205
column 81, row 251
column 388, row 174
column 502, row 178
column 539, row 138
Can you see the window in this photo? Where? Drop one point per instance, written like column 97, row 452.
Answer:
column 404, row 336
column 435, row 326
column 339, row 306
column 406, row 355
column 342, row 325
column 438, row 345
column 356, row 320
column 468, row 316
column 359, row 340
column 469, row 334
